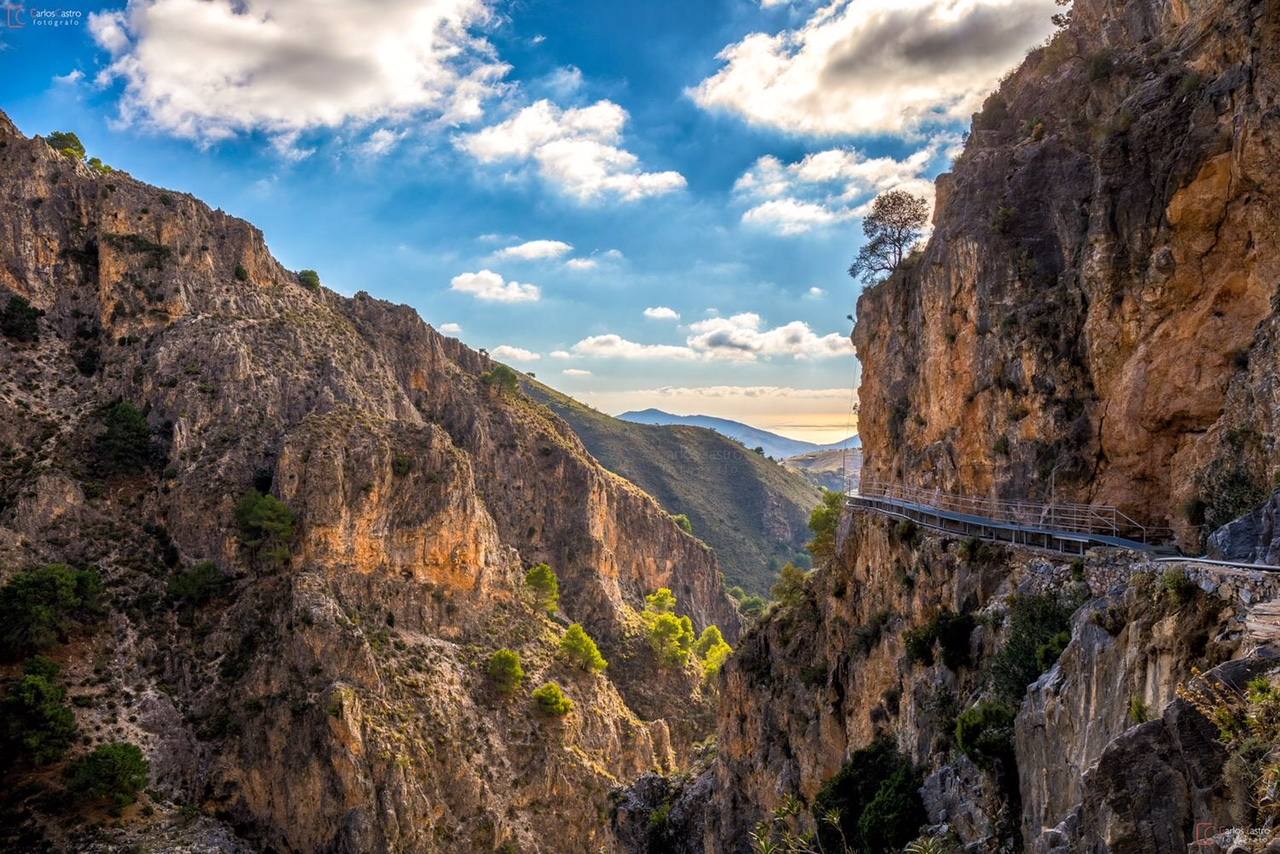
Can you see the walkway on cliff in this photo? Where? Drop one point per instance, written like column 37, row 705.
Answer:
column 1063, row 528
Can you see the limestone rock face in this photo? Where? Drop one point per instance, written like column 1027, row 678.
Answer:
column 337, row 699
column 1094, row 316
column 1253, row 538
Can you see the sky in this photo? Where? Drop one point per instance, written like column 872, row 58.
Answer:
column 642, row 203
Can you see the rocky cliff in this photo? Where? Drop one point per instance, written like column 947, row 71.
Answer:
column 331, row 694
column 1095, row 313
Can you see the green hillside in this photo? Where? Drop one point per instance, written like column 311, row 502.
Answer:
column 752, row 511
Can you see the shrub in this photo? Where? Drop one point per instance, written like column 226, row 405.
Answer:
column 824, row 522
column 871, row 804
column 1030, row 628
column 682, row 520
column 502, row 378
column 1177, row 586
column 401, row 465
column 1001, row 446
column 309, row 279
column 98, row 166
column 1101, row 65
column 671, row 637
column 713, row 649
column 197, row 585
column 905, row 531
column 949, row 631
column 19, row 319
column 36, row 724
column 116, row 771
column 661, row 601
column 1051, row 650
column 125, row 445
column 1139, row 711
column 39, row 607
column 505, row 670
column 792, row 585
column 241, row 274
column 751, row 606
column 266, row 527
column 578, row 647
column 551, row 700
column 542, row 581
column 985, row 733
column 67, row 144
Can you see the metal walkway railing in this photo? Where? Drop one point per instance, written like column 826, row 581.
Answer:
column 1089, row 519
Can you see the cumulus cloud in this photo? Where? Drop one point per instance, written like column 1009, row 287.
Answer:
column 561, row 354
column 576, row 150
column 489, row 286
column 536, row 249
column 816, row 292
column 742, row 337
column 381, row 141
column 211, row 69
column 451, row 328
column 661, row 312
column 867, row 67
column 582, row 263
column 575, row 372
column 833, row 186
column 71, row 78
column 507, row 353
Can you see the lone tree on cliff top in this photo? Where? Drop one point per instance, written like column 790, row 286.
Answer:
column 893, row 227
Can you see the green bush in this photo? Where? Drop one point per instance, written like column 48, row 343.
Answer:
column 241, row 274
column 36, row 724
column 1030, row 628
column 98, row 166
column 551, row 700
column 19, row 320
column 39, row 607
column 661, row 601
column 905, row 532
column 871, row 804
column 671, row 637
column 578, row 647
column 1139, row 711
column 985, row 733
column 67, row 144
column 824, row 522
column 1175, row 584
column 266, row 527
column 502, row 378
column 309, row 279
column 1048, row 652
column 682, row 520
column 792, row 586
column 116, row 771
column 197, row 585
column 949, row 631
column 713, row 649
column 505, row 670
column 542, row 581
column 125, row 444
column 401, row 465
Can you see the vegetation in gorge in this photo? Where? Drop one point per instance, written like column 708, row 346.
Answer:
column 115, row 772
column 39, row 607
column 266, row 527
column 551, row 700
column 505, row 670
column 580, row 650
column 544, row 586
column 672, row 638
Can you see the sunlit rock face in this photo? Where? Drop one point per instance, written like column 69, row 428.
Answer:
column 337, row 699
column 1094, row 315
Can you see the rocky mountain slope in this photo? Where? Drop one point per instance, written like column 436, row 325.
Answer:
column 828, row 469
column 1094, row 317
column 1096, row 311
column 327, row 688
column 751, row 510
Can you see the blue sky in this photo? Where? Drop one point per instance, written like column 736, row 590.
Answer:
column 646, row 204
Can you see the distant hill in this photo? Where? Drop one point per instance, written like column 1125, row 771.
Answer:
column 778, row 447
column 752, row 511
column 827, row 468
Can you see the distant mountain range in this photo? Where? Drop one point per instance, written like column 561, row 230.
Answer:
column 778, row 447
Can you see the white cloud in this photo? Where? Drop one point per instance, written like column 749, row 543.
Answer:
column 833, row 186
column 816, row 292
column 381, row 141
column 661, row 312
column 576, row 149
column 575, row 372
column 867, row 67
column 755, row 391
column 489, row 286
column 71, row 78
column 451, row 329
column 536, row 249
column 561, row 354
column 514, row 354
column 616, row 347
column 211, row 69
column 741, row 338
column 564, row 82
column 582, row 263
